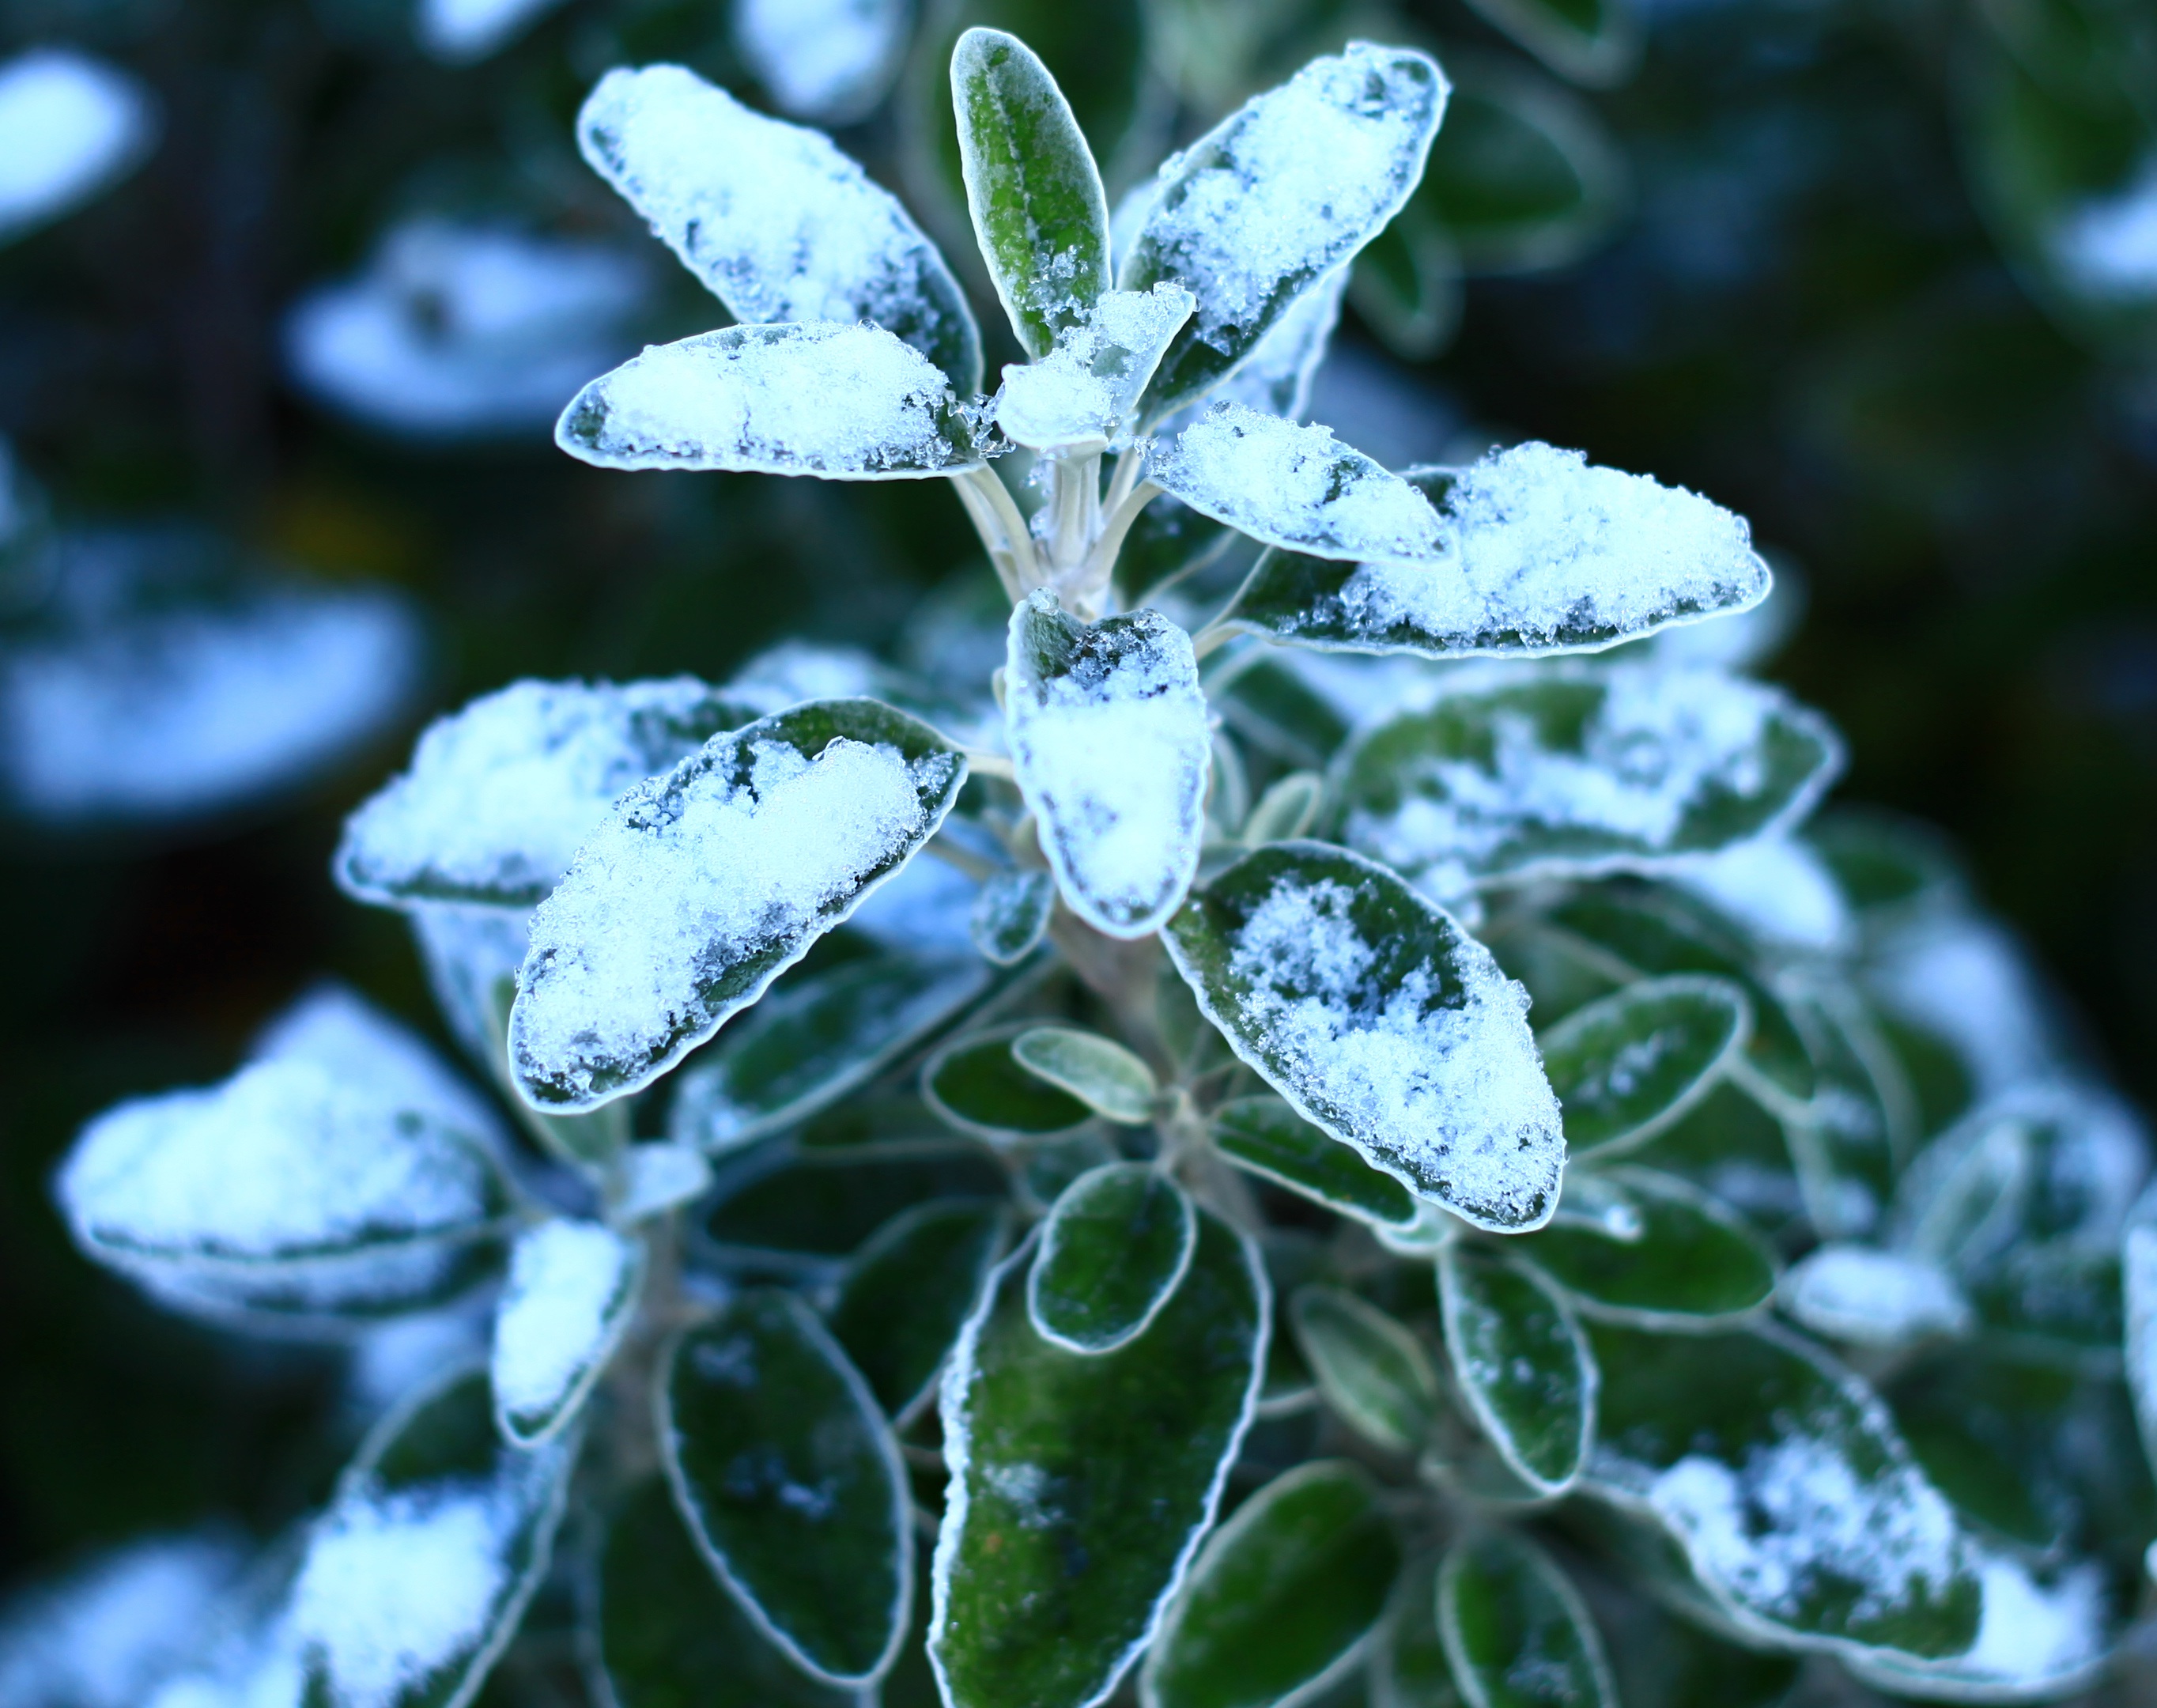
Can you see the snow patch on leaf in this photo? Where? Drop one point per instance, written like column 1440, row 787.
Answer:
column 569, row 1285
column 1873, row 1297
column 1082, row 391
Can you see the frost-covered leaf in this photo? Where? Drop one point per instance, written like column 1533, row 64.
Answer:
column 1283, row 1597
column 1264, row 1136
column 1275, row 378
column 1108, row 734
column 654, row 1178
column 1040, row 213
column 572, row 1287
column 1676, row 1258
column 69, row 127
column 1868, row 1297
column 1522, row 1363
column 908, row 1290
column 1516, row 1631
column 500, row 794
column 1010, row 914
column 827, row 61
column 977, row 1085
column 703, row 886
column 1079, row 395
column 1286, row 810
column 803, row 1210
column 1779, row 891
column 1281, row 193
column 1629, row 1065
column 1113, row 1250
column 1571, row 769
column 841, row 401
column 781, row 1459
column 1100, row 1072
column 777, row 222
column 784, row 675
column 1379, row 1019
column 1373, row 1372
column 1168, row 541
column 1297, row 487
column 1544, row 553
column 813, row 1041
column 1117, row 1460
column 1783, row 1479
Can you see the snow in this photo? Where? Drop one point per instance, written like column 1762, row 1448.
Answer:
column 565, row 1307
column 69, row 126
column 828, row 60
column 844, row 402
column 1872, row 1298
column 502, row 793
column 461, row 32
column 464, row 329
column 2107, row 246
column 1294, row 486
column 350, row 1038
column 391, row 1359
column 1276, row 378
column 1966, row 980
column 108, row 1634
column 657, row 1177
column 1778, row 889
column 1743, row 641
column 1078, row 396
column 1112, row 752
column 2035, row 1640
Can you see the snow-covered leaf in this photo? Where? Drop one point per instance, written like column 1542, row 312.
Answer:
column 1779, row 891
column 1629, row 1065
column 1078, row 396
column 1522, row 1363
column 975, row 1085
column 1264, row 1136
column 1010, row 914
column 1298, row 488
column 1118, row 1460
column 827, row 61
column 841, row 401
column 777, row 222
column 1281, row 193
column 1382, row 1022
column 1275, row 378
column 69, row 126
column 1675, row 1258
column 1371, row 1370
column 1870, row 1298
column 572, row 1287
column 782, row 1463
column 703, row 886
column 908, row 1290
column 1283, row 1597
column 1040, row 213
column 805, row 1210
column 1572, row 769
column 1100, row 1072
column 1113, row 1250
column 1108, row 734
column 1516, row 1631
column 501, row 794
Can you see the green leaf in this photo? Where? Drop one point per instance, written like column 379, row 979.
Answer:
column 1630, row 1065
column 1660, row 1661
column 1371, row 1370
column 1594, row 42
column 1100, row 1072
column 1872, row 1299
column 791, row 1483
column 1040, row 213
column 1522, row 1363
column 1407, row 286
column 798, row 1210
column 1689, row 1262
column 812, row 1041
column 1168, row 542
column 1381, row 1020
column 1011, row 915
column 1408, row 1667
column 1113, row 1250
column 1264, row 1136
column 1516, row 1630
column 1286, row 810
column 975, row 1084
column 1081, row 1486
column 704, row 885
column 1851, row 1143
column 1282, row 1598
column 572, row 1287
column 908, row 1290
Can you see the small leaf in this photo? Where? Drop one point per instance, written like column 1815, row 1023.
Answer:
column 1286, row 810
column 1869, row 1298
column 1113, row 1250
column 791, row 1483
column 704, row 885
column 1264, row 1136
column 1010, row 914
column 1516, row 1630
column 766, row 400
column 1522, row 1363
column 1281, row 1599
column 1382, row 1022
column 1079, row 397
column 1100, row 1072
column 776, row 223
column 1407, row 1666
column 1112, row 1465
column 572, row 1287
column 1108, row 734
column 1630, row 1065
column 1689, row 1264
column 975, row 1084
column 1039, row 212
column 908, row 1290
column 1594, row 42
column 1373, row 1372
column 802, row 1211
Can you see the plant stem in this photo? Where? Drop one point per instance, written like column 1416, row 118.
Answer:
column 1003, row 531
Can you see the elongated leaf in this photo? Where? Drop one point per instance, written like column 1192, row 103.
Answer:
column 802, row 1211
column 1168, row 542
column 1079, row 397
column 1113, row 1252
column 1522, row 1364
column 975, row 1084
column 1286, row 810
column 812, row 1043
column 908, row 1290
column 704, row 886
column 1275, row 378
column 1594, row 42
column 1866, row 1297
column 1516, row 1630
column 1108, row 735
column 1373, row 1371
column 1408, row 1667
column 1281, row 1599
column 1081, row 1486
column 1382, row 1022
column 1264, row 1136
column 572, row 1287
column 826, row 397
column 1100, row 1072
column 1011, row 915
column 1039, row 211
column 1685, row 1263
column 792, row 1485
column 776, row 223
column 1629, row 1066
column 1278, row 195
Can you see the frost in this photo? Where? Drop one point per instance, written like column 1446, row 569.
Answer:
column 1275, row 378
column 1778, row 889
column 69, row 126
column 2107, row 246
column 1079, row 395
column 1294, row 486
column 107, row 1635
column 570, row 1284
column 1966, row 980
column 1743, row 641
column 2035, row 1638
column 461, row 32
column 1872, row 1298
column 829, row 60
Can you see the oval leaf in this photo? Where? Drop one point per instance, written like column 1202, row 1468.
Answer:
column 572, row 1287
column 1630, row 1065
column 1866, row 1297
column 1264, row 1136
column 908, row 1290
column 1408, row 1667
column 1100, row 1072
column 704, row 885
column 1011, row 915
column 977, row 1085
column 1372, row 1371
column 1684, row 1262
column 1516, row 1631
column 792, row 1485
column 1522, row 1364
column 1381, row 1021
column 1113, row 1252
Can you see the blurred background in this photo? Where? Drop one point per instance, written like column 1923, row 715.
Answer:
column 291, row 291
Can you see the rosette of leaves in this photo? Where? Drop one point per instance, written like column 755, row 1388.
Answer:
column 1312, row 1145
